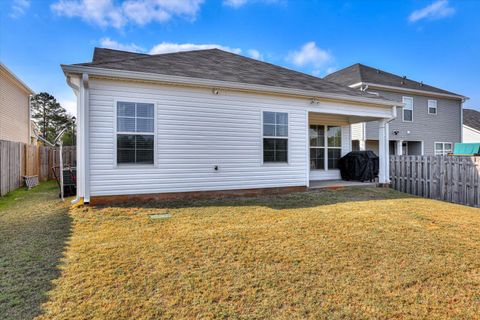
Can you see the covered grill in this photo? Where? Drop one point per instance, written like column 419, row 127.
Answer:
column 359, row 166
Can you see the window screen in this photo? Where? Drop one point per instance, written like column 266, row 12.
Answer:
column 135, row 133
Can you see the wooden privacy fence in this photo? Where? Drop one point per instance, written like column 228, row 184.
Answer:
column 449, row 178
column 19, row 159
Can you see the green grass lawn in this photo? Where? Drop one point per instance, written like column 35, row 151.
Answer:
column 34, row 227
column 364, row 253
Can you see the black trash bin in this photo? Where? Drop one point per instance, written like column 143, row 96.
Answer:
column 359, row 166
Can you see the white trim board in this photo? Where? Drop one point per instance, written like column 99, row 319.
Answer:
column 414, row 91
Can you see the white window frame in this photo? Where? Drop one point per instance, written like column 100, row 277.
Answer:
column 404, row 108
column 115, row 133
column 325, row 146
column 274, row 137
column 444, row 153
column 436, row 106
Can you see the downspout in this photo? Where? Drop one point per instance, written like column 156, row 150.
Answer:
column 76, row 90
column 86, row 141
column 461, row 119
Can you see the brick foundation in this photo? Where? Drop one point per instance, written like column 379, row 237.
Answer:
column 105, row 200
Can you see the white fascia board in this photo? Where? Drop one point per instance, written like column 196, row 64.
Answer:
column 201, row 82
column 470, row 128
column 414, row 91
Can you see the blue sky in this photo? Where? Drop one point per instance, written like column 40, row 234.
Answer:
column 437, row 42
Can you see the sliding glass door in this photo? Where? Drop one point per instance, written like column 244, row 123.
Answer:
column 325, row 147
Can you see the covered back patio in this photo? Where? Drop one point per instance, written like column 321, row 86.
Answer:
column 330, row 138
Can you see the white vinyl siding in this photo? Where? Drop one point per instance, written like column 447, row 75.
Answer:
column 407, row 109
column 196, row 131
column 470, row 135
column 432, row 107
column 14, row 104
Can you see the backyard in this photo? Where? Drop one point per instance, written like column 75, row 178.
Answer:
column 352, row 253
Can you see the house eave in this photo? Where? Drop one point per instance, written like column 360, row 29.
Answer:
column 202, row 82
column 471, row 128
column 409, row 90
column 17, row 80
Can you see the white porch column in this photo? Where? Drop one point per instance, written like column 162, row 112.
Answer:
column 362, row 145
column 399, row 147
column 383, row 144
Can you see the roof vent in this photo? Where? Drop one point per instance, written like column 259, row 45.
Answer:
column 421, row 83
column 378, row 71
column 404, row 77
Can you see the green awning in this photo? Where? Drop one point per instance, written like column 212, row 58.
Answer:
column 466, row 149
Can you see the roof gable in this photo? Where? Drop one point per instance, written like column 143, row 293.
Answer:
column 362, row 73
column 471, row 118
column 215, row 64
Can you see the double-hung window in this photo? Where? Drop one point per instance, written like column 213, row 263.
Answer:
column 135, row 133
column 407, row 109
column 443, row 148
column 432, row 106
column 325, row 146
column 275, row 136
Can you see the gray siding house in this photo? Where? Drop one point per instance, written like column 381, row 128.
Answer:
column 430, row 122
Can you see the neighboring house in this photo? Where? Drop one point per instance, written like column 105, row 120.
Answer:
column 430, row 122
column 14, row 107
column 210, row 120
column 471, row 125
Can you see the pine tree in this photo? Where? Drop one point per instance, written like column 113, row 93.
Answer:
column 50, row 116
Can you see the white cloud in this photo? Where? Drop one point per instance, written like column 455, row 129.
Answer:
column 310, row 55
column 255, row 54
column 235, row 3
column 167, row 47
column 19, row 7
column 110, row 13
column 331, row 70
column 241, row 3
column 437, row 10
column 112, row 44
column 70, row 106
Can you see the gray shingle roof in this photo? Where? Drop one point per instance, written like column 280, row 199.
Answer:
column 362, row 73
column 215, row 64
column 471, row 118
column 103, row 55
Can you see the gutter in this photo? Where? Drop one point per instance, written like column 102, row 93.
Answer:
column 201, row 82
column 422, row 92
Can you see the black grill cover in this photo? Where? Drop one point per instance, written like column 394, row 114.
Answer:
column 359, row 166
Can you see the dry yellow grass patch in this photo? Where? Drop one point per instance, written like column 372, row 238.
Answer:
column 345, row 254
